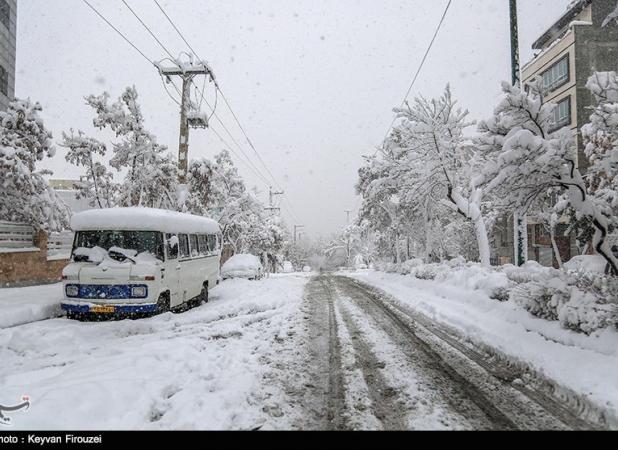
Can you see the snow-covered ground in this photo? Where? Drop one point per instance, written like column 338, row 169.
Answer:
column 586, row 365
column 207, row 368
column 20, row 306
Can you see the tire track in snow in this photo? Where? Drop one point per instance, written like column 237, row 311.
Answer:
column 528, row 407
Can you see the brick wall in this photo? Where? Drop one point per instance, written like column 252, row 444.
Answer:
column 30, row 267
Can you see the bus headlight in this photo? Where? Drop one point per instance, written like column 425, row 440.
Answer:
column 72, row 290
column 139, row 292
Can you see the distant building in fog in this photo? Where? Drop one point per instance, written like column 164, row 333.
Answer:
column 8, row 33
column 66, row 191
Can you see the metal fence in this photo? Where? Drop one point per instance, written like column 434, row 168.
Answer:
column 16, row 235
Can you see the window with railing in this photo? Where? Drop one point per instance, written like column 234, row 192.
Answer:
column 562, row 114
column 556, row 76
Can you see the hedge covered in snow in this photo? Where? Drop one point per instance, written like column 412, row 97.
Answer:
column 581, row 301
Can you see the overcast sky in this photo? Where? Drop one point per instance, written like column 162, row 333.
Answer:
column 312, row 81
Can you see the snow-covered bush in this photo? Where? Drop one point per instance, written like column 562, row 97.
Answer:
column 409, row 266
column 583, row 302
column 542, row 298
column 426, row 272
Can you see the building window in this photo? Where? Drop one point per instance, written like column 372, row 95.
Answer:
column 4, row 81
column 556, row 76
column 5, row 14
column 562, row 114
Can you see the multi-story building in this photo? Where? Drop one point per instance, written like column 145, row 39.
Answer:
column 578, row 44
column 8, row 33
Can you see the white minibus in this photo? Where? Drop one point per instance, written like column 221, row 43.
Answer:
column 137, row 261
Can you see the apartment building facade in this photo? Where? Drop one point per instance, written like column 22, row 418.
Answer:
column 578, row 44
column 8, row 33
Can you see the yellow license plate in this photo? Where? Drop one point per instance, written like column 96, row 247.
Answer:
column 103, row 309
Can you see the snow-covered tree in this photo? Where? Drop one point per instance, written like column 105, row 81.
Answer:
column 200, row 181
column 151, row 178
column 534, row 160
column 432, row 161
column 26, row 195
column 381, row 209
column 601, row 144
column 217, row 190
column 97, row 185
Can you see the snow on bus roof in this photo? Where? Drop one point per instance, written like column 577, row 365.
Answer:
column 142, row 219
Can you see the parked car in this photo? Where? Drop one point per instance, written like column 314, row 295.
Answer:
column 288, row 267
column 243, row 266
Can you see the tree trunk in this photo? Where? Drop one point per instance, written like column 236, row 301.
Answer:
column 471, row 210
column 554, row 244
column 578, row 195
column 483, row 241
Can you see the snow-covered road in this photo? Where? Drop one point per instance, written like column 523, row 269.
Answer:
column 288, row 352
column 389, row 370
column 208, row 368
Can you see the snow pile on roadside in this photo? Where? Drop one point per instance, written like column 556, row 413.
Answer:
column 580, row 299
column 584, row 364
column 456, row 272
column 583, row 302
column 203, row 369
column 23, row 305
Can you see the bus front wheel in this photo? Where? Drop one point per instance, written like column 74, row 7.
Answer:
column 163, row 304
column 204, row 293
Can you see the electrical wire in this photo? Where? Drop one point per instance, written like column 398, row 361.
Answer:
column 148, row 29
column 218, row 88
column 118, row 31
column 420, row 68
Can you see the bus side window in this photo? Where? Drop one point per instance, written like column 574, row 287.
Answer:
column 171, row 243
column 203, row 243
column 212, row 243
column 194, row 248
column 184, row 245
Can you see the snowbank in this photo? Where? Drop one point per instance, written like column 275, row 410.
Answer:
column 457, row 273
column 142, row 219
column 584, row 364
column 204, row 369
column 591, row 263
column 29, row 304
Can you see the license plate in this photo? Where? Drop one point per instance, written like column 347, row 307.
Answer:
column 103, row 309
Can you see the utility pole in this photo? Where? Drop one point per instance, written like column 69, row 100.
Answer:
column 296, row 228
column 519, row 222
column 189, row 118
column 348, row 256
column 271, row 203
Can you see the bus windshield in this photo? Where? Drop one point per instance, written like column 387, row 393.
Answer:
column 138, row 241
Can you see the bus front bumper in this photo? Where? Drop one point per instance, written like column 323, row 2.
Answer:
column 107, row 309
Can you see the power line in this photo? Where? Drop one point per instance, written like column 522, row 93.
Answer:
column 420, row 68
column 148, row 29
column 235, row 142
column 222, row 95
column 228, row 147
column 118, row 31
column 228, row 106
column 176, row 28
column 246, row 136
